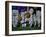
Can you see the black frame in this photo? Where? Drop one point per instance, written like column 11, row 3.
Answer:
column 7, row 17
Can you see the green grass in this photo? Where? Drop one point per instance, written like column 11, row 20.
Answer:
column 19, row 27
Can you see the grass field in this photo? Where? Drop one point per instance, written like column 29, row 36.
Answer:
column 19, row 27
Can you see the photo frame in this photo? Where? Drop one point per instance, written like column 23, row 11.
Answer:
column 24, row 18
